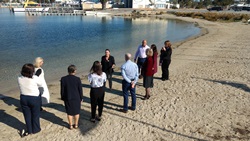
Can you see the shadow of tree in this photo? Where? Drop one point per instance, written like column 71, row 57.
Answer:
column 237, row 85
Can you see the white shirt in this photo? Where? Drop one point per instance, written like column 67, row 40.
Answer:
column 141, row 51
column 29, row 86
column 96, row 80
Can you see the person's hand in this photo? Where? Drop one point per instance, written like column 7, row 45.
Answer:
column 153, row 68
column 132, row 84
column 113, row 66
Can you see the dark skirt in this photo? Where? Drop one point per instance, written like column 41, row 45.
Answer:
column 72, row 107
column 148, row 82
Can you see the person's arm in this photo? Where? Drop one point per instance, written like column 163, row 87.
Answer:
column 38, row 72
column 80, row 89
column 124, row 75
column 137, row 53
column 90, row 78
column 113, row 62
column 136, row 74
column 62, row 89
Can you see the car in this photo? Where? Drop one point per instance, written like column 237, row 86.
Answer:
column 215, row 8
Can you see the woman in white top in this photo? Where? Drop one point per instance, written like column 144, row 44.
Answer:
column 30, row 99
column 44, row 91
column 97, row 92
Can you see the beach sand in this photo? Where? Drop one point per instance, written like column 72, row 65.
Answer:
column 206, row 98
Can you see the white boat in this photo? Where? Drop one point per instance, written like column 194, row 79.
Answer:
column 31, row 6
column 41, row 9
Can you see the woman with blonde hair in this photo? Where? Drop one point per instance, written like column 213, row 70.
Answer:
column 148, row 72
column 44, row 91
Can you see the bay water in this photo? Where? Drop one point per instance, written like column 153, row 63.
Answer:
column 78, row 40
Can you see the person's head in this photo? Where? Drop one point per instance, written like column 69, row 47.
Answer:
column 107, row 52
column 167, row 44
column 38, row 62
column 72, row 69
column 144, row 43
column 28, row 70
column 154, row 48
column 149, row 52
column 96, row 68
column 127, row 56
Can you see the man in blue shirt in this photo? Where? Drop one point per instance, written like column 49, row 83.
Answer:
column 130, row 75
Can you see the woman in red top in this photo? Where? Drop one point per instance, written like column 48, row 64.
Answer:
column 148, row 72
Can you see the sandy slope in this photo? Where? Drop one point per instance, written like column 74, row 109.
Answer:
column 207, row 97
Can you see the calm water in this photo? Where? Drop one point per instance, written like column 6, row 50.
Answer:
column 79, row 40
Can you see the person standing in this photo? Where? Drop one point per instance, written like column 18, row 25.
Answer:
column 72, row 95
column 44, row 91
column 155, row 57
column 29, row 99
column 165, row 60
column 130, row 75
column 141, row 55
column 148, row 72
column 97, row 78
column 108, row 65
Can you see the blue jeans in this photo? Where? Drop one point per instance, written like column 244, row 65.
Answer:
column 140, row 62
column 31, row 110
column 125, row 88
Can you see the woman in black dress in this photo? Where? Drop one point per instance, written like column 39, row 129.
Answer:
column 71, row 94
column 165, row 60
column 108, row 64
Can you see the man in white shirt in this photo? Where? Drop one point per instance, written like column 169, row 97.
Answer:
column 141, row 55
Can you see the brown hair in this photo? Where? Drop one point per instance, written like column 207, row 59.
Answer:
column 28, row 70
column 154, row 48
column 96, row 68
column 71, row 69
column 167, row 44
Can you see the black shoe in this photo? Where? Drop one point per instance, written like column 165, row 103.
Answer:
column 92, row 120
column 131, row 108
column 124, row 111
column 98, row 118
column 24, row 133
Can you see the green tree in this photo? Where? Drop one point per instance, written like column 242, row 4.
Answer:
column 207, row 3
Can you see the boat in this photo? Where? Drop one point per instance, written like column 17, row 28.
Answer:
column 31, row 6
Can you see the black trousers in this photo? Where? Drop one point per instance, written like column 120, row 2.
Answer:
column 164, row 68
column 31, row 110
column 97, row 98
column 109, row 77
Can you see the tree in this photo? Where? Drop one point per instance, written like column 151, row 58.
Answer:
column 207, row 3
column 103, row 2
column 223, row 2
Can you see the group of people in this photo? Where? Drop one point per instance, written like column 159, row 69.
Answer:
column 34, row 91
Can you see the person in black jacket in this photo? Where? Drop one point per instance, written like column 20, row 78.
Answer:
column 71, row 94
column 108, row 65
column 165, row 60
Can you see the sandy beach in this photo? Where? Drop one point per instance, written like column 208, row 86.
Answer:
column 206, row 98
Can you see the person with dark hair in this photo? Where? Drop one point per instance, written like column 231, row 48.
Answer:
column 141, row 55
column 72, row 95
column 148, row 72
column 30, row 99
column 97, row 78
column 108, row 65
column 130, row 75
column 155, row 55
column 165, row 60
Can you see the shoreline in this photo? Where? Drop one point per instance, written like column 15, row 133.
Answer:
column 83, row 75
column 206, row 98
